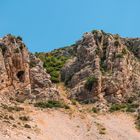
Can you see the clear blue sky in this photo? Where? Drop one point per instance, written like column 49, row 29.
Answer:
column 48, row 24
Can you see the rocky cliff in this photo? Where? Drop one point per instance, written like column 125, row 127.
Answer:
column 22, row 75
column 106, row 68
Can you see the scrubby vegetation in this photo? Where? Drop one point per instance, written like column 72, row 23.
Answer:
column 19, row 37
column 128, row 107
column 90, row 82
column 119, row 55
column 95, row 110
column 116, row 43
column 53, row 64
column 51, row 104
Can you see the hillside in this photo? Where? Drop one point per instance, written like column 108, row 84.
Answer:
column 71, row 93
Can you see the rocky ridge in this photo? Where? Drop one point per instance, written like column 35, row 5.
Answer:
column 22, row 75
column 105, row 69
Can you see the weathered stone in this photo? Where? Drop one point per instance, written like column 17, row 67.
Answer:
column 21, row 73
column 111, row 61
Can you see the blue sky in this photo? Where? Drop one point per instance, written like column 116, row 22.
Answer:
column 48, row 24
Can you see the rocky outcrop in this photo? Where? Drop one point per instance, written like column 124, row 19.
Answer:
column 21, row 73
column 106, row 68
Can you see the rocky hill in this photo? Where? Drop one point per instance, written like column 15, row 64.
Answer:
column 106, row 69
column 21, row 73
column 98, row 74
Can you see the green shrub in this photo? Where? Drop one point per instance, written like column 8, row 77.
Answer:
column 74, row 102
column 120, row 55
column 116, row 43
column 53, row 64
column 95, row 110
column 131, row 107
column 117, row 107
column 51, row 104
column 49, row 69
column 124, row 51
column 90, row 82
column 55, row 80
column 128, row 107
column 54, row 74
column 19, row 37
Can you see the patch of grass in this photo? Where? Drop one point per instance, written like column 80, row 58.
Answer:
column 117, row 107
column 128, row 107
column 51, row 104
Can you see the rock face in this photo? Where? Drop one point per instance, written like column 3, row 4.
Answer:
column 106, row 68
column 21, row 73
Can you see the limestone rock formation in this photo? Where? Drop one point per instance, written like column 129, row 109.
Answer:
column 21, row 73
column 106, row 68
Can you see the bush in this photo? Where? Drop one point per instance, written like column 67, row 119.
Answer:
column 128, row 107
column 95, row 110
column 54, row 74
column 120, row 55
column 124, row 51
column 90, row 82
column 53, row 64
column 19, row 37
column 117, row 107
column 116, row 43
column 55, row 80
column 74, row 102
column 51, row 104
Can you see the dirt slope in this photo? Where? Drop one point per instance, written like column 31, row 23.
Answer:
column 60, row 125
